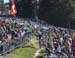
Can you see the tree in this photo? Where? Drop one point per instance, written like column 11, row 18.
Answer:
column 24, row 8
column 55, row 11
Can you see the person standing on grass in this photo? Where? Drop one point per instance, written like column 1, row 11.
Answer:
column 68, row 44
column 51, row 41
column 73, row 46
column 40, row 37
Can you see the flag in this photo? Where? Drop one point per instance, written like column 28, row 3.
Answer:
column 13, row 10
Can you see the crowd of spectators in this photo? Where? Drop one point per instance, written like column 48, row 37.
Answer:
column 59, row 42
column 56, row 40
column 12, row 31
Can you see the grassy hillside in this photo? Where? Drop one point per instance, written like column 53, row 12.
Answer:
column 28, row 51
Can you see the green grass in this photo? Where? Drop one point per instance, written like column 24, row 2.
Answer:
column 43, row 51
column 24, row 53
column 28, row 51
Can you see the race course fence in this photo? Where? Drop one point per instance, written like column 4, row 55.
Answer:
column 19, row 42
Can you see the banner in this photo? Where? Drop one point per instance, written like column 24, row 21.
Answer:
column 13, row 10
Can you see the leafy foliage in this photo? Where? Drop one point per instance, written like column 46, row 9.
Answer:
column 55, row 11
column 24, row 8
